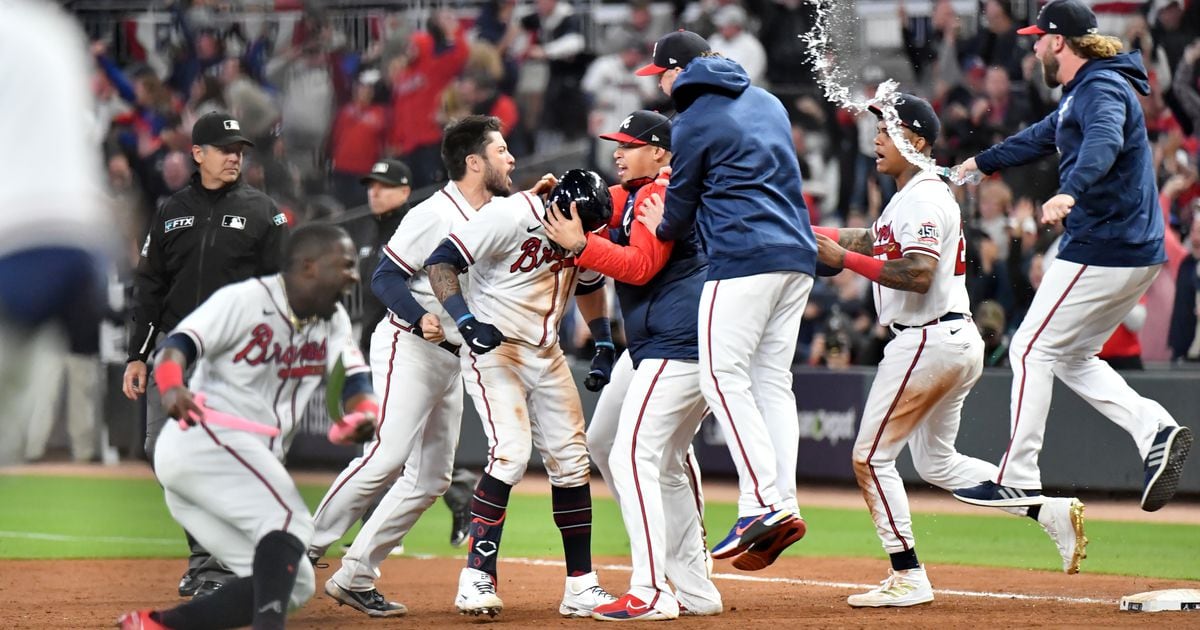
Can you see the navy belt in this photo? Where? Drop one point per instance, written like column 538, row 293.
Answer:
column 449, row 347
column 948, row 317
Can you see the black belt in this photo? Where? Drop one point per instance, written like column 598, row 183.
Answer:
column 444, row 345
column 948, row 317
column 449, row 347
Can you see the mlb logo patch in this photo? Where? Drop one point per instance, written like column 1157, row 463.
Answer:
column 235, row 222
column 380, row 167
column 232, row 125
column 177, row 224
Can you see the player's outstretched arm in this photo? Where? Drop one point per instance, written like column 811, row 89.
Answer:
column 443, row 267
column 913, row 272
column 177, row 399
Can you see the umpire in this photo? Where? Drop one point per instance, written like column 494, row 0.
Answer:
column 214, row 232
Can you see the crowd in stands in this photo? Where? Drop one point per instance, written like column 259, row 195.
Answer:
column 322, row 110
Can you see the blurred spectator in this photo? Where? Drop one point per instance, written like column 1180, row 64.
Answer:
column 614, row 91
column 997, row 44
column 639, row 26
column 819, row 168
column 735, row 42
column 788, row 69
column 989, row 318
column 1184, row 336
column 1123, row 350
column 206, row 95
column 248, row 101
column 434, row 58
column 699, row 16
column 78, row 376
column 305, row 82
column 1185, row 86
column 1170, row 33
column 357, row 140
column 477, row 91
column 498, row 26
column 559, row 41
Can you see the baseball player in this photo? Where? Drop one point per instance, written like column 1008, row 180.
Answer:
column 1110, row 253
column 54, row 229
column 641, row 432
column 735, row 180
column 915, row 254
column 519, row 379
column 415, row 360
column 261, row 347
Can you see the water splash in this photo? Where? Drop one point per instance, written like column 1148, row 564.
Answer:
column 834, row 83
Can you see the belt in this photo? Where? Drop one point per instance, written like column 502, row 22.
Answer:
column 444, row 345
column 948, row 317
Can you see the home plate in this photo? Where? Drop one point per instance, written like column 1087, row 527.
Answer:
column 1159, row 601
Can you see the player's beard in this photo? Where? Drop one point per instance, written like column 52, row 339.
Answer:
column 1050, row 70
column 495, row 180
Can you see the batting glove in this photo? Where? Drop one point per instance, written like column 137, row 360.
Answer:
column 481, row 337
column 602, row 365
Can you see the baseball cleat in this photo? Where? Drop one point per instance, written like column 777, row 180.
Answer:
column 629, row 608
column 582, row 594
column 208, row 587
column 189, row 583
column 989, row 494
column 709, row 610
column 900, row 589
column 1063, row 521
column 766, row 550
column 371, row 602
column 749, row 529
column 1164, row 466
column 138, row 620
column 477, row 594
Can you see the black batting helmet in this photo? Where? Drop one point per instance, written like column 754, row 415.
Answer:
column 590, row 194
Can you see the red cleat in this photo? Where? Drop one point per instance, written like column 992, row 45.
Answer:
column 139, row 620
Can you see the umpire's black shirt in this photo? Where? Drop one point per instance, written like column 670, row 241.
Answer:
column 201, row 240
column 370, row 233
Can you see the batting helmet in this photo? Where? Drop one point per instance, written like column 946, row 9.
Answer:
column 590, row 195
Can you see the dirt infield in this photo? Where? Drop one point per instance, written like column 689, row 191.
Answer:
column 91, row 593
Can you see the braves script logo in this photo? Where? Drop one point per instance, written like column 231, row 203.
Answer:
column 534, row 254
column 262, row 349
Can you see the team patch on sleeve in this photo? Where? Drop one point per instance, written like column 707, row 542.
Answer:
column 928, row 234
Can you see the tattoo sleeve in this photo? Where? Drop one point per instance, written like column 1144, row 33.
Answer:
column 856, row 240
column 443, row 279
column 913, row 273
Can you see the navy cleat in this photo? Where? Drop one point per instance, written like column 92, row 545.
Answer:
column 989, row 494
column 1164, row 466
column 749, row 529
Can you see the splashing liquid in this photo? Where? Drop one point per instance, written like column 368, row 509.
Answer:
column 833, row 82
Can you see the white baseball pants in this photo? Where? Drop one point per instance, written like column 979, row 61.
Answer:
column 640, row 438
column 229, row 490
column 526, row 396
column 916, row 399
column 420, row 387
column 1075, row 310
column 748, row 329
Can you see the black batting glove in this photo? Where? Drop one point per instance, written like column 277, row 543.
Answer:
column 479, row 336
column 602, row 365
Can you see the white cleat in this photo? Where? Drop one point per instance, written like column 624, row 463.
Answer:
column 477, row 594
column 901, row 588
column 582, row 594
column 1062, row 518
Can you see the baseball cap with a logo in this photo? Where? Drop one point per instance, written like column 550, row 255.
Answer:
column 643, row 127
column 389, row 172
column 1069, row 18
column 674, row 50
column 218, row 129
column 916, row 114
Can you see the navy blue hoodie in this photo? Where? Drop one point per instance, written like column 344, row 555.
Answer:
column 1105, row 163
column 734, row 173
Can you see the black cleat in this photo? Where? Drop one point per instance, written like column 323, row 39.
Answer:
column 371, row 602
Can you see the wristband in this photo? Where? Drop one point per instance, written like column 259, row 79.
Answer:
column 366, row 406
column 601, row 328
column 866, row 266
column 456, row 306
column 167, row 376
column 826, row 231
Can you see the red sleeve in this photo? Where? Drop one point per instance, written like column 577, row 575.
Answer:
column 636, row 263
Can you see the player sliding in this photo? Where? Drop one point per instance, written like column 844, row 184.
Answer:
column 915, row 254
column 261, row 348
column 1111, row 251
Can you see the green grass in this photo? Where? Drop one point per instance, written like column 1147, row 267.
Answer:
column 126, row 518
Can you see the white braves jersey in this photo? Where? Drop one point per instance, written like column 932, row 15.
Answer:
column 52, row 192
column 518, row 282
column 421, row 231
column 254, row 363
column 922, row 217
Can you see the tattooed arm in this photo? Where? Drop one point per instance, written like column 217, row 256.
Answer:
column 856, row 240
column 913, row 272
column 443, row 279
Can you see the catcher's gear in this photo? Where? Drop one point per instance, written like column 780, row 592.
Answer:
column 602, row 365
column 590, row 194
column 481, row 337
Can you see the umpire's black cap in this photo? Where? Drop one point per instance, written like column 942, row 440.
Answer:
column 218, row 129
column 674, row 50
column 389, row 171
column 916, row 114
column 1069, row 18
column 643, row 127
